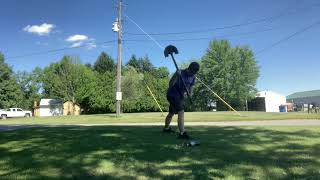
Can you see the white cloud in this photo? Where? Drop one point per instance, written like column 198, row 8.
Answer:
column 77, row 37
column 78, row 40
column 43, row 29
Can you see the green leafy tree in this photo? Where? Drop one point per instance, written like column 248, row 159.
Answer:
column 231, row 72
column 30, row 84
column 131, row 85
column 104, row 64
column 158, row 87
column 69, row 80
column 103, row 101
column 133, row 62
column 244, row 78
column 88, row 65
column 161, row 72
column 142, row 65
column 156, row 78
column 10, row 92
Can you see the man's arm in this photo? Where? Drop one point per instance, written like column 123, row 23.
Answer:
column 191, row 91
column 174, row 79
column 191, row 87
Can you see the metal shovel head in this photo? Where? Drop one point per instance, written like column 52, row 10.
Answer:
column 193, row 143
column 170, row 50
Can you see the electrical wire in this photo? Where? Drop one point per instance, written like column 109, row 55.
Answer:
column 288, row 37
column 145, row 33
column 203, row 38
column 267, row 19
column 55, row 50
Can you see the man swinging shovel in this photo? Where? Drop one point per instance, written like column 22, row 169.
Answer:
column 180, row 85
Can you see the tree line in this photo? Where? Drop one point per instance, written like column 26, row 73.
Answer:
column 231, row 72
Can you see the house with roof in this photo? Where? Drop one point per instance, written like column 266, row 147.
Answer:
column 300, row 99
column 55, row 107
column 267, row 101
column 49, row 107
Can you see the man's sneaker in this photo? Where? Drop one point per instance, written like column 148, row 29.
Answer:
column 184, row 135
column 168, row 130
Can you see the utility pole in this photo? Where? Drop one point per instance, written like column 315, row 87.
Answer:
column 119, row 64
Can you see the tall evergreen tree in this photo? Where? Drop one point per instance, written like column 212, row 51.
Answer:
column 104, row 64
column 142, row 65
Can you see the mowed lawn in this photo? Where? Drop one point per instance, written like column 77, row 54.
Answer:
column 146, row 153
column 159, row 117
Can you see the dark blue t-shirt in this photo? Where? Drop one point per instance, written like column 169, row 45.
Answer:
column 177, row 90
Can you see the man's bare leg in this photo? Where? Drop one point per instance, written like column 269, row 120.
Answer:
column 168, row 120
column 181, row 121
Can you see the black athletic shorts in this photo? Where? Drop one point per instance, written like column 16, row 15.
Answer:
column 176, row 104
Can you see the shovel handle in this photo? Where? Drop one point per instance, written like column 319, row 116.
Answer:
column 184, row 84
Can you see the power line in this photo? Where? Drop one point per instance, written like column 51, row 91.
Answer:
column 288, row 37
column 55, row 50
column 203, row 38
column 145, row 33
column 201, row 31
column 164, row 40
column 272, row 18
column 207, row 30
column 189, row 39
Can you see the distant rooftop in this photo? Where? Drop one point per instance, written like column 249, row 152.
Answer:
column 46, row 102
column 304, row 94
column 268, row 93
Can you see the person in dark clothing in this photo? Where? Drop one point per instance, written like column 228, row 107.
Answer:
column 176, row 94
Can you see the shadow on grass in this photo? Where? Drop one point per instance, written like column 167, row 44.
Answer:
column 144, row 152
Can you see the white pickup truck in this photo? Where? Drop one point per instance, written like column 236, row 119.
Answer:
column 14, row 112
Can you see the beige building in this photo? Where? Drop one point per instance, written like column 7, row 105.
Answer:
column 48, row 107
column 70, row 109
column 55, row 107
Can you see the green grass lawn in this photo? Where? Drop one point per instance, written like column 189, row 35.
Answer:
column 146, row 153
column 156, row 117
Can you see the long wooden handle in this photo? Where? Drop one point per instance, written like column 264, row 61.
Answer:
column 184, row 84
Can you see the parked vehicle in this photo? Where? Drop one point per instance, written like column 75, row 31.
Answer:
column 14, row 112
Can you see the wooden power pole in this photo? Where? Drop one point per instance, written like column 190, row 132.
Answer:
column 119, row 64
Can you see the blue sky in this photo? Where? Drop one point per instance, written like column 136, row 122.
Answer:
column 37, row 26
